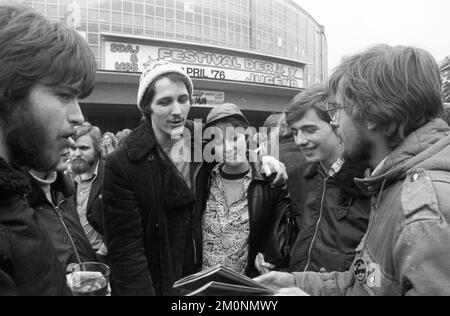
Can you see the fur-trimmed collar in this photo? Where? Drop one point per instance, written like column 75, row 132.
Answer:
column 63, row 185
column 142, row 141
column 14, row 180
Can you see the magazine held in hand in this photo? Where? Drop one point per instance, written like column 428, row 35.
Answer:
column 221, row 281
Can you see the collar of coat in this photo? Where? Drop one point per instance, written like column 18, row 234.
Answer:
column 345, row 178
column 12, row 179
column 142, row 141
column 255, row 174
column 428, row 148
column 63, row 185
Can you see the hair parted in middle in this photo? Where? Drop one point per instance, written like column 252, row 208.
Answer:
column 96, row 135
column 314, row 98
column 398, row 89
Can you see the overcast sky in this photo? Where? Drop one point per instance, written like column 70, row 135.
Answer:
column 351, row 25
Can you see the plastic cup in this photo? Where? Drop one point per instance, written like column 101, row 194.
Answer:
column 89, row 279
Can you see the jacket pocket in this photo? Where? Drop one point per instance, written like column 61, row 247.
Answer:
column 341, row 212
column 343, row 208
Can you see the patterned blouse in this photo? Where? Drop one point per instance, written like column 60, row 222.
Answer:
column 226, row 228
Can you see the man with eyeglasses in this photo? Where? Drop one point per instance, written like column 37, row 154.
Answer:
column 388, row 104
column 333, row 110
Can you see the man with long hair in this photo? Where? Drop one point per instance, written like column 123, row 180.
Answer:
column 46, row 68
column 386, row 107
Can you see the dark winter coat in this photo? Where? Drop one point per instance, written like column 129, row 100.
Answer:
column 28, row 263
column 60, row 220
column 332, row 215
column 148, row 213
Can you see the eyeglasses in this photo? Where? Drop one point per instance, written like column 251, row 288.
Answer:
column 333, row 110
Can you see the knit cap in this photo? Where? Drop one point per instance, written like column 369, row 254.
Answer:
column 154, row 70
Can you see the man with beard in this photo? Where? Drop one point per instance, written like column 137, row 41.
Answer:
column 387, row 103
column 46, row 68
column 87, row 170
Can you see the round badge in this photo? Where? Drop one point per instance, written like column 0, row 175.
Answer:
column 360, row 270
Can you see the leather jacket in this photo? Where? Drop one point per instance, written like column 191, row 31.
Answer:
column 332, row 215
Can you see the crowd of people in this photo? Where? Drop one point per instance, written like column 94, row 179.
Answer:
column 344, row 194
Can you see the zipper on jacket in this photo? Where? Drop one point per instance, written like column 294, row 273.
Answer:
column 318, row 223
column 58, row 212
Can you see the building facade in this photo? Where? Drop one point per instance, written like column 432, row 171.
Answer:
column 255, row 53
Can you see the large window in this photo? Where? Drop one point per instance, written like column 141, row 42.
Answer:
column 275, row 27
